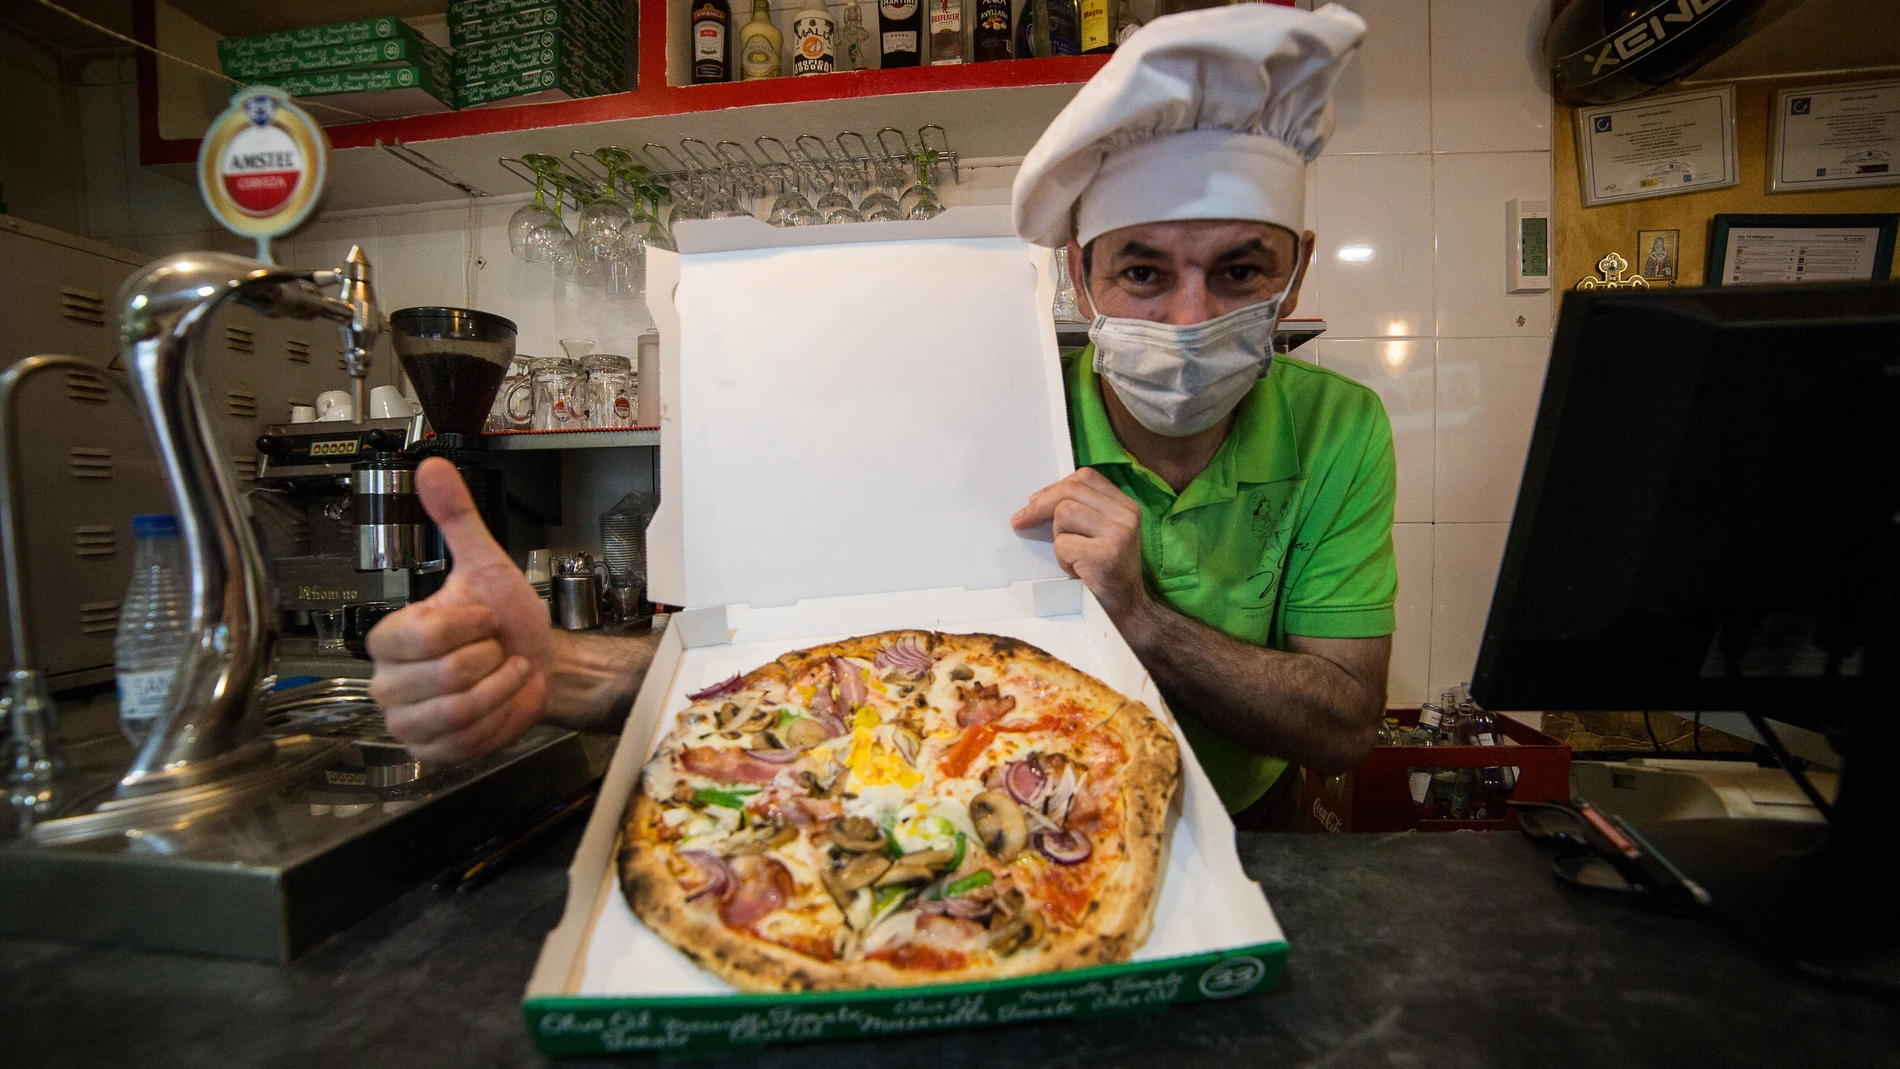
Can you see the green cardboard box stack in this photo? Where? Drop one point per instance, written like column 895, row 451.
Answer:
column 527, row 51
column 378, row 68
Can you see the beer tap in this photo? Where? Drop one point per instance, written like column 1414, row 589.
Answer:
column 208, row 730
column 364, row 323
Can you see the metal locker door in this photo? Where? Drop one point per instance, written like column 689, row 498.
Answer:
column 86, row 461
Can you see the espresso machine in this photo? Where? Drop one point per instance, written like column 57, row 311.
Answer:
column 262, row 814
column 358, row 540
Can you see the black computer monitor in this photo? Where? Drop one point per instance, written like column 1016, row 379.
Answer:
column 1710, row 519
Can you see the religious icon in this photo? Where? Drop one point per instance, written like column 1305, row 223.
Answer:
column 1612, row 274
column 1658, row 248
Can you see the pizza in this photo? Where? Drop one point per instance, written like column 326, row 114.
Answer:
column 903, row 808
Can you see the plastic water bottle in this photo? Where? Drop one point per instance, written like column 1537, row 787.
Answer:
column 154, row 625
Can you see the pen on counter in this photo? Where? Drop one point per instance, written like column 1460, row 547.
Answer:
column 1695, row 890
column 483, row 862
column 1604, row 828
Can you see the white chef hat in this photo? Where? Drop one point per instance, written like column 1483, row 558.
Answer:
column 1208, row 114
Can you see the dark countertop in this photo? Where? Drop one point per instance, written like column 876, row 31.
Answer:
column 1407, row 950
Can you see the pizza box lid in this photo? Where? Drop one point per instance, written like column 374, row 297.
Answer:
column 852, row 409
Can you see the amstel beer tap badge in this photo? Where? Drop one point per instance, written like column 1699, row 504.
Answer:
column 261, row 166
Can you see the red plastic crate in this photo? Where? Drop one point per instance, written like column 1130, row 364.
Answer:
column 1375, row 796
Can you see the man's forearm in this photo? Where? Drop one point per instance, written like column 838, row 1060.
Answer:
column 1298, row 706
column 595, row 678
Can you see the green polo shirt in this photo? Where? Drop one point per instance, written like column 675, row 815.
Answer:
column 1288, row 531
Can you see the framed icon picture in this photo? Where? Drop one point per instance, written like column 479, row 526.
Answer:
column 1656, row 255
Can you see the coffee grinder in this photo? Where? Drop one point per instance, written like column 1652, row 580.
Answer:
column 455, row 358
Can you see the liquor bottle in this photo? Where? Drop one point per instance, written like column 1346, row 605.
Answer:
column 900, row 24
column 811, row 40
column 1062, row 30
column 761, row 45
column 1097, row 27
column 848, row 39
column 1388, row 733
column 1454, row 787
column 712, row 20
column 1419, row 780
column 990, row 35
column 1430, row 718
column 1484, row 732
column 946, row 32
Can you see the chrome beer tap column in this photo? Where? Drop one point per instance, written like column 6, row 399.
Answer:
column 362, row 327
column 207, row 730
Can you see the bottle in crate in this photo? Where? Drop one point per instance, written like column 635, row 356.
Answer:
column 1495, row 781
column 1452, row 787
column 1388, row 732
column 1419, row 780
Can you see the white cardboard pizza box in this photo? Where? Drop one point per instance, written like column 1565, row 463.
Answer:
column 849, row 416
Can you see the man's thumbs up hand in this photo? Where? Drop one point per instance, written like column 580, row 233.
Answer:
column 465, row 672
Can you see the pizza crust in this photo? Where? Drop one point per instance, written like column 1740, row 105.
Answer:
column 1146, row 783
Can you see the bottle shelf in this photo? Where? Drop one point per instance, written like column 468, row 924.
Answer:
column 991, row 110
column 518, row 441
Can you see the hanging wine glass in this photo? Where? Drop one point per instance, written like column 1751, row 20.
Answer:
column 878, row 205
column 835, row 205
column 791, row 201
column 924, row 163
column 535, row 232
column 597, row 236
column 747, row 183
column 921, row 199
column 572, row 262
column 804, row 214
column 926, row 205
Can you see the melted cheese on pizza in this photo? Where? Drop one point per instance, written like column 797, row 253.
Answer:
column 930, row 812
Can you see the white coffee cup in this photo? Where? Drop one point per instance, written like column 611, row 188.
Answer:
column 387, row 402
column 333, row 405
column 303, row 414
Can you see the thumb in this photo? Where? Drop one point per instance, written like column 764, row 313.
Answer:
column 448, row 503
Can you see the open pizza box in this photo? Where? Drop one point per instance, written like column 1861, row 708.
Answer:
column 849, row 416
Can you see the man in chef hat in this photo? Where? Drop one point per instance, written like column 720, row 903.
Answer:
column 1232, row 512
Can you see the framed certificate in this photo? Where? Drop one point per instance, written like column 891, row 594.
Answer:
column 1835, row 136
column 1753, row 250
column 1657, row 146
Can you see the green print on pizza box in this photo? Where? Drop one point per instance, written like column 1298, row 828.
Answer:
column 336, row 33
column 404, row 48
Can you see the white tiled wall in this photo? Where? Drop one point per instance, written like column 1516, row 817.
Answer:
column 1443, row 118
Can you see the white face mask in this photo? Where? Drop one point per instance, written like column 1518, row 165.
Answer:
column 1178, row 381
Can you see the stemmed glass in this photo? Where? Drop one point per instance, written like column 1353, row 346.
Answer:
column 922, row 197
column 535, row 231
column 836, row 204
column 580, row 263
column 791, row 208
column 747, row 183
column 878, row 205
column 645, row 231
column 597, row 239
column 805, row 214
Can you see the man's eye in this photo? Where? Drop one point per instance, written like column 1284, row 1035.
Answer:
column 1241, row 273
column 1142, row 276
